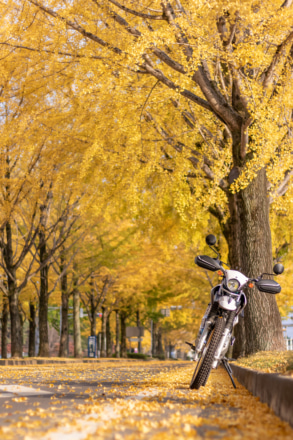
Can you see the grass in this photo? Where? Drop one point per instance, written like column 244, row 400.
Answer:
column 269, row 362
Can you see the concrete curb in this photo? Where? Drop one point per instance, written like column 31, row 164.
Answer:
column 5, row 362
column 273, row 389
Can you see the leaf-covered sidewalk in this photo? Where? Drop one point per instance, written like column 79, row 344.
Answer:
column 131, row 401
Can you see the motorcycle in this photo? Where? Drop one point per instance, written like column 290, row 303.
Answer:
column 227, row 304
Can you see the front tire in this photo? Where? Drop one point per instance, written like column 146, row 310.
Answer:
column 204, row 365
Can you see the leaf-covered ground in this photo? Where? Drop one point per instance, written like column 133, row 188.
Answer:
column 269, row 362
column 131, row 401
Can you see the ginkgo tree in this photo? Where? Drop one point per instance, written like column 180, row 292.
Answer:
column 221, row 72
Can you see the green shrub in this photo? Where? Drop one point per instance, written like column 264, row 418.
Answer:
column 161, row 357
column 137, row 356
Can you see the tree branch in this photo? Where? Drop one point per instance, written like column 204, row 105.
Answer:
column 278, row 59
column 186, row 93
column 137, row 13
column 77, row 27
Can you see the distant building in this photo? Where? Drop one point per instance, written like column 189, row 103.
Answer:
column 288, row 330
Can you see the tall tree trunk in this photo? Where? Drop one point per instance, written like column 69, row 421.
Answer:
column 108, row 336
column 76, row 324
column 5, row 316
column 43, row 301
column 263, row 327
column 157, row 340
column 93, row 309
column 32, row 330
column 117, row 345
column 123, row 351
column 153, row 337
column 93, row 324
column 63, row 348
column 103, row 332
column 138, row 325
column 159, row 347
column 16, row 345
column 232, row 233
column 22, row 321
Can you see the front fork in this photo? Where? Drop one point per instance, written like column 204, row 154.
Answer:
column 202, row 339
column 226, row 337
column 210, row 314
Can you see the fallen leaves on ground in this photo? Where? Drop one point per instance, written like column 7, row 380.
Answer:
column 131, row 401
column 269, row 362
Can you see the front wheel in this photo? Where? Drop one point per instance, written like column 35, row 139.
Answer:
column 204, row 365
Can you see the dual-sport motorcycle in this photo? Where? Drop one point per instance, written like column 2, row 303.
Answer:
column 227, row 304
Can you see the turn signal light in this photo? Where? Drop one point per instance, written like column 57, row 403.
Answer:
column 220, row 272
column 250, row 285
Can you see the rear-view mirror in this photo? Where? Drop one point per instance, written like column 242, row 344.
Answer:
column 211, row 240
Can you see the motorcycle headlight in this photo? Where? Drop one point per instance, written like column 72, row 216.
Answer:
column 233, row 285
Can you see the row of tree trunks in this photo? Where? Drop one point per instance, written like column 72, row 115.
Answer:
column 32, row 327
column 120, row 346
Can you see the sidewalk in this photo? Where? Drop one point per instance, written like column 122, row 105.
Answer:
column 42, row 361
column 129, row 401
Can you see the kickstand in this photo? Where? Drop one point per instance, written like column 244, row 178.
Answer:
column 228, row 369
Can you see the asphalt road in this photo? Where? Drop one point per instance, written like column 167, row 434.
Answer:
column 139, row 400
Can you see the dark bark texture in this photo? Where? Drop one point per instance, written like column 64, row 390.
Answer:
column 4, row 319
column 117, row 345
column 108, row 337
column 103, row 332
column 16, row 343
column 138, row 325
column 76, row 324
column 251, row 251
column 63, row 348
column 43, row 300
column 263, row 327
column 123, row 352
column 32, row 330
